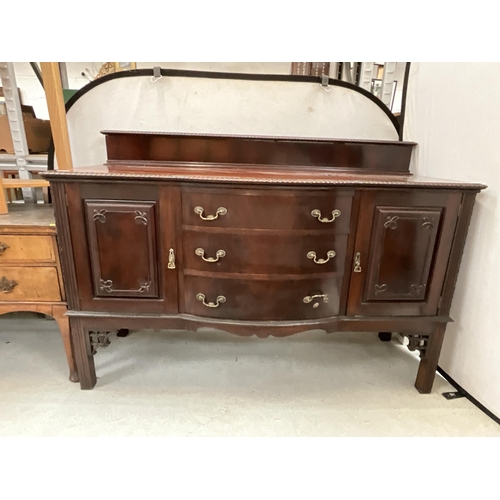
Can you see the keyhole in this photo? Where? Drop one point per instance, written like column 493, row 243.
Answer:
column 315, row 305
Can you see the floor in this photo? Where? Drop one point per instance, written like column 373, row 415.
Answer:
column 175, row 383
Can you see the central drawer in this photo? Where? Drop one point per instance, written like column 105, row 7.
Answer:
column 263, row 252
column 261, row 299
column 267, row 209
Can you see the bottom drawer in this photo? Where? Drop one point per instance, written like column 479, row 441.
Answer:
column 22, row 284
column 261, row 300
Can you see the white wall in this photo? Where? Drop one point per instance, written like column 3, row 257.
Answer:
column 453, row 112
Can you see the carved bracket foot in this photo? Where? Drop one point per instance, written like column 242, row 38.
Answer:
column 98, row 339
column 418, row 343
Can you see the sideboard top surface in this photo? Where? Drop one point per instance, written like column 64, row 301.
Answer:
column 258, row 137
column 256, row 175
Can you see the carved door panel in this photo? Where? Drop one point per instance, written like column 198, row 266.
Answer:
column 123, row 248
column 402, row 247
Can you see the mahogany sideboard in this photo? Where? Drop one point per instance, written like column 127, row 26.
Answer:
column 30, row 272
column 259, row 235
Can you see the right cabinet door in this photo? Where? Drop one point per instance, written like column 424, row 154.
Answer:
column 403, row 242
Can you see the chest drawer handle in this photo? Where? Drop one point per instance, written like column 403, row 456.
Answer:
column 309, row 298
column 330, row 255
column 200, row 210
column 317, row 213
column 218, row 255
column 6, row 286
column 219, row 300
column 3, row 247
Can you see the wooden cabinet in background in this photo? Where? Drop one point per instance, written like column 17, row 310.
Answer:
column 30, row 272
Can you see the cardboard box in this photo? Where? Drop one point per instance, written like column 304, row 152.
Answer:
column 38, row 134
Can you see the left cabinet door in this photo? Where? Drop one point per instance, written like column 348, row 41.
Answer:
column 123, row 248
column 123, row 245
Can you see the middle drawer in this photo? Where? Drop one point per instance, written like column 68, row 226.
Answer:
column 264, row 252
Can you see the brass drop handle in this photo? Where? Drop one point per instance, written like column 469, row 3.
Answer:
column 218, row 301
column 171, row 259
column 219, row 211
column 309, row 298
column 357, row 263
column 6, row 286
column 218, row 255
column 3, row 247
column 317, row 213
column 330, row 255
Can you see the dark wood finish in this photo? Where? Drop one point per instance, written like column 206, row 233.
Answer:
column 457, row 252
column 136, row 302
column 257, row 177
column 277, row 209
column 428, row 364
column 409, row 233
column 122, row 243
column 264, row 252
column 83, row 354
column 360, row 156
column 263, row 299
column 403, row 240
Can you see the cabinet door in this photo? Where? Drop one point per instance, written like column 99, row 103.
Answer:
column 402, row 247
column 122, row 243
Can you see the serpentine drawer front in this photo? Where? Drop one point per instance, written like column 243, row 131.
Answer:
column 262, row 299
column 267, row 209
column 264, row 252
column 330, row 242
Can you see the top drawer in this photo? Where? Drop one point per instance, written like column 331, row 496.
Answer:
column 267, row 209
column 27, row 249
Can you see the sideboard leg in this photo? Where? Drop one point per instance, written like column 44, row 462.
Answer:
column 83, row 354
column 429, row 361
column 385, row 336
column 58, row 313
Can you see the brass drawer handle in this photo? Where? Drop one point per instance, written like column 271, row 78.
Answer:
column 218, row 255
column 357, row 263
column 3, row 247
column 317, row 213
column 6, row 286
column 200, row 210
column 219, row 300
column 309, row 298
column 330, row 255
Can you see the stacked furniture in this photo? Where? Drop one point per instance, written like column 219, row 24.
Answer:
column 259, row 235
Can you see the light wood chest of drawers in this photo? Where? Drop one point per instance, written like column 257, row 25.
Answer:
column 30, row 273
